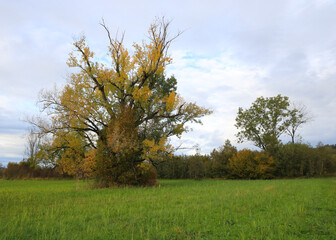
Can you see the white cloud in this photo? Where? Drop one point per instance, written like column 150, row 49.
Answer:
column 221, row 84
column 11, row 147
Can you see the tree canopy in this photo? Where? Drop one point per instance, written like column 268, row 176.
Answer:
column 121, row 112
column 267, row 119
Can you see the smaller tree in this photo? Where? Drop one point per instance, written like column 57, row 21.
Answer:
column 220, row 158
column 267, row 119
column 32, row 147
column 264, row 122
column 298, row 116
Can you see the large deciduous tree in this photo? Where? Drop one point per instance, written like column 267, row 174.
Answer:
column 267, row 119
column 124, row 109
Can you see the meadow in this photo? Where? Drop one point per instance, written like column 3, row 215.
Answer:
column 175, row 209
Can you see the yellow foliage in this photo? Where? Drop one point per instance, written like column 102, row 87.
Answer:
column 141, row 95
column 153, row 150
column 118, row 108
column 89, row 163
column 72, row 157
column 171, row 101
column 122, row 133
column 251, row 165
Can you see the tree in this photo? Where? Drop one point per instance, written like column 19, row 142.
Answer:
column 267, row 119
column 264, row 122
column 196, row 166
column 1, row 170
column 220, row 158
column 298, row 116
column 125, row 110
column 32, row 147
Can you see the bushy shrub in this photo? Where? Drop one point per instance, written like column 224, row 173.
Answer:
column 143, row 174
column 247, row 164
column 23, row 170
column 11, row 171
column 17, row 171
column 146, row 174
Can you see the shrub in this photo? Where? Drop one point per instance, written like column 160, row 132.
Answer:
column 23, row 170
column 143, row 174
column 247, row 164
column 12, row 171
column 146, row 174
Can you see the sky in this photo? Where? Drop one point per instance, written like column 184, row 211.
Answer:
column 230, row 53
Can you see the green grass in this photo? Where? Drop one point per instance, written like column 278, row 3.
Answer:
column 177, row 209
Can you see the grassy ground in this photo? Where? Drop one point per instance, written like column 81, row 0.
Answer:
column 177, row 209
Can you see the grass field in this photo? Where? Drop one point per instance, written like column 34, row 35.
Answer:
column 176, row 209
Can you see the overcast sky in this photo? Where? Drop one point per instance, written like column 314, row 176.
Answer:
column 230, row 53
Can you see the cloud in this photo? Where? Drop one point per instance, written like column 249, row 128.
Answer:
column 221, row 84
column 11, row 147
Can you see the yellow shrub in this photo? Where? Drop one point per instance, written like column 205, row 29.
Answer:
column 249, row 164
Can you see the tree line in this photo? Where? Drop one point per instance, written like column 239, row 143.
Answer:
column 226, row 162
column 292, row 160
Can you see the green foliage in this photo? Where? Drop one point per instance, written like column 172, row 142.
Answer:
column 197, row 166
column 326, row 159
column 295, row 160
column 220, row 159
column 291, row 160
column 266, row 120
column 297, row 117
column 185, row 167
column 263, row 122
column 174, row 167
column 247, row 164
column 175, row 209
